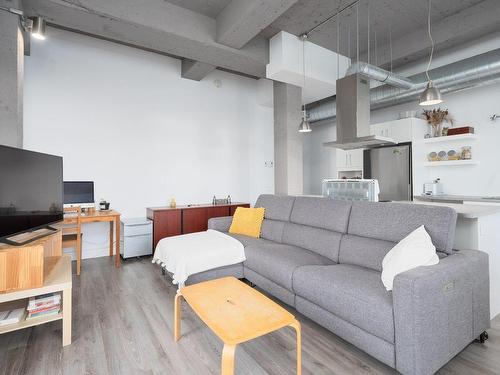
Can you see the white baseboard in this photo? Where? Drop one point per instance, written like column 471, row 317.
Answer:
column 89, row 253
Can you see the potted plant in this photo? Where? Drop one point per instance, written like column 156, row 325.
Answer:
column 435, row 118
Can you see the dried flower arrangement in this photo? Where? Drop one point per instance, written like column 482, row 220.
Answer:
column 436, row 117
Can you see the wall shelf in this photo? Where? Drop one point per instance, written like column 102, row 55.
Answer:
column 449, row 138
column 449, row 163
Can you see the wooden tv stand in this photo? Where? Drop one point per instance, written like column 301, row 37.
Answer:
column 22, row 267
column 57, row 280
column 35, row 269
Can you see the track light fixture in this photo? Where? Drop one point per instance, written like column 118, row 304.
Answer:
column 34, row 25
column 38, row 28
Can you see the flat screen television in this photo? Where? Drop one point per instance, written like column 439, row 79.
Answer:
column 31, row 191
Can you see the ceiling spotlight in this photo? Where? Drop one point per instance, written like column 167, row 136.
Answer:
column 38, row 28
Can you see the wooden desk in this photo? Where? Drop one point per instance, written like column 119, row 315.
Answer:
column 111, row 216
column 57, row 278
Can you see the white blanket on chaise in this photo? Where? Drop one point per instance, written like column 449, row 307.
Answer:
column 188, row 254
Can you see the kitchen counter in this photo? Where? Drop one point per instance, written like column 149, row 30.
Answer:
column 466, row 211
column 477, row 229
column 457, row 198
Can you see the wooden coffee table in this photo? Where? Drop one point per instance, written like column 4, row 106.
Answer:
column 236, row 313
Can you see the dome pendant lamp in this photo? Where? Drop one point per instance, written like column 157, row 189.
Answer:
column 304, row 126
column 431, row 95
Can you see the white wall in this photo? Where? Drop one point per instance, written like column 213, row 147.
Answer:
column 125, row 119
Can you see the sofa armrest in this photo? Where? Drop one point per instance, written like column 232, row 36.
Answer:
column 438, row 310
column 221, row 224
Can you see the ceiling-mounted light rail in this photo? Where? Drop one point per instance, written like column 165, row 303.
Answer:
column 331, row 17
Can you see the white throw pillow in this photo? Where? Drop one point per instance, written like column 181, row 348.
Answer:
column 413, row 251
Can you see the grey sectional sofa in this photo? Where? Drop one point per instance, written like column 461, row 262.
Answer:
column 324, row 257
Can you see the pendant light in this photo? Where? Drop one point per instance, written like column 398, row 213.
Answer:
column 431, row 95
column 304, row 126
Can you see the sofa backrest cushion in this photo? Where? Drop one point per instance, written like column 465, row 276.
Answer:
column 317, row 224
column 272, row 230
column 322, row 213
column 394, row 221
column 363, row 251
column 278, row 207
column 278, row 211
column 322, row 241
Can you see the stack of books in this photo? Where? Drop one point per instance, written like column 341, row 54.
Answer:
column 11, row 316
column 44, row 305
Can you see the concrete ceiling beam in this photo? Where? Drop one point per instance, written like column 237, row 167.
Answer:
column 160, row 27
column 195, row 70
column 241, row 20
column 469, row 24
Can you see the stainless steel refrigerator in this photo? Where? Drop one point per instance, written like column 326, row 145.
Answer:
column 391, row 166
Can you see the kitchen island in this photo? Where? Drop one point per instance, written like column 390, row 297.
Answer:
column 478, row 228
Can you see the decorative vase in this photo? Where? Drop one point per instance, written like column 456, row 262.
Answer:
column 437, row 130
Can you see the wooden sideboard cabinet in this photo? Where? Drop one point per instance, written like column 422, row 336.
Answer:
column 186, row 219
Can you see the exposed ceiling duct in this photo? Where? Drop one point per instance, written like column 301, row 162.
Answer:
column 472, row 72
column 380, row 75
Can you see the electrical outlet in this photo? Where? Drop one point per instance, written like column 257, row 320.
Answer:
column 269, row 163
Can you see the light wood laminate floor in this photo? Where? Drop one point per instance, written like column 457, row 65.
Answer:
column 123, row 322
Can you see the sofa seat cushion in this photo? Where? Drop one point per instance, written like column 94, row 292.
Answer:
column 249, row 241
column 353, row 293
column 278, row 262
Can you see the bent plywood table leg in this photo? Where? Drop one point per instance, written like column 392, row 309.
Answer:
column 177, row 317
column 227, row 367
column 296, row 326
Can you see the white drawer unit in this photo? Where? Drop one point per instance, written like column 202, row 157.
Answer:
column 136, row 237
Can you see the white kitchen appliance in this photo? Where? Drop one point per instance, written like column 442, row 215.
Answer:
column 434, row 188
column 351, row 189
column 136, row 237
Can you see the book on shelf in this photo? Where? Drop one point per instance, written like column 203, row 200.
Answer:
column 43, row 314
column 12, row 316
column 44, row 309
column 44, row 300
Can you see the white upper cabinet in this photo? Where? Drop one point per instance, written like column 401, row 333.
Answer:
column 399, row 130
column 351, row 160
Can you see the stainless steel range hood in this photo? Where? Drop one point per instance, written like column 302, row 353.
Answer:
column 353, row 115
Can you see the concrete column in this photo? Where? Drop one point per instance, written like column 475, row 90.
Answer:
column 11, row 80
column 288, row 163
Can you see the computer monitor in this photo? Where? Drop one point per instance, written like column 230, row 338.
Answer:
column 79, row 193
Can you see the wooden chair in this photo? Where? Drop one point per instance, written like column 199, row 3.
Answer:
column 72, row 233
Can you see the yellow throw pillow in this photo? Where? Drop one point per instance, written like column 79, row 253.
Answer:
column 247, row 221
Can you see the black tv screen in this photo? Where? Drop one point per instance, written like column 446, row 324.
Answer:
column 78, row 192
column 31, row 190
